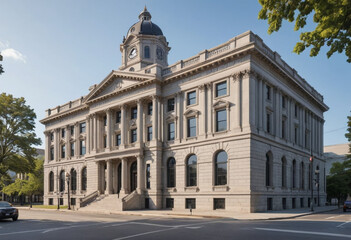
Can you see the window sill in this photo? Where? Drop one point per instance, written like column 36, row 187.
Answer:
column 220, row 188
column 171, row 189
column 191, row 189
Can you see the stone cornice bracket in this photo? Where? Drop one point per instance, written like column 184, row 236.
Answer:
column 209, row 85
column 202, row 87
column 178, row 94
column 123, row 106
column 236, row 76
column 108, row 110
column 76, row 123
column 57, row 130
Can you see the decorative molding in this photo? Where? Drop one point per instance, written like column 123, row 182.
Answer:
column 220, row 104
column 191, row 112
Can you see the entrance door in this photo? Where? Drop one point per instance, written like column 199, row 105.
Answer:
column 133, row 176
column 119, row 173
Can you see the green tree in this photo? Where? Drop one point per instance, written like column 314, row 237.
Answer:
column 1, row 69
column 17, row 135
column 332, row 17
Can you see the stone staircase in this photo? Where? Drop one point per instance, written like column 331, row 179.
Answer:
column 104, row 203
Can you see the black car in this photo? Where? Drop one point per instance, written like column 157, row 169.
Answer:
column 347, row 205
column 7, row 211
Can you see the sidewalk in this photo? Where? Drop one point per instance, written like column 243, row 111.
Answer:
column 272, row 215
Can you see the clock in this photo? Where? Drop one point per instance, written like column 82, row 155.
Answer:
column 133, row 53
column 159, row 53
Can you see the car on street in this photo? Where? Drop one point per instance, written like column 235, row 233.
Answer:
column 8, row 211
column 347, row 205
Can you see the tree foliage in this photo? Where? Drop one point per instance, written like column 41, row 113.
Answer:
column 333, row 19
column 17, row 135
column 1, row 69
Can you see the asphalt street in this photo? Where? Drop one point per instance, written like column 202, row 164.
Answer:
column 34, row 224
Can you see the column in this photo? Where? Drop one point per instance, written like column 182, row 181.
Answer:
column 56, row 144
column 237, row 86
column 259, row 104
column 179, row 112
column 108, row 127
column 202, row 120
column 209, row 111
column 109, row 177
column 140, row 176
column 155, row 117
column 47, row 146
column 67, row 136
column 91, row 135
column 277, row 112
column 124, row 176
column 95, row 132
column 98, row 176
column 87, row 138
column 140, row 136
column 77, row 143
column 123, row 124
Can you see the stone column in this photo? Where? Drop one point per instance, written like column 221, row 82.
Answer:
column 109, row 177
column 87, row 134
column 209, row 111
column 47, row 146
column 98, row 182
column 237, row 87
column 124, row 177
column 140, row 136
column 108, row 127
column 260, row 105
column 276, row 122
column 202, row 119
column 123, row 125
column 178, row 120
column 56, row 144
column 140, row 176
column 77, row 143
column 155, row 117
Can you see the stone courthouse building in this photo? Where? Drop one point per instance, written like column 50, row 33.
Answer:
column 230, row 128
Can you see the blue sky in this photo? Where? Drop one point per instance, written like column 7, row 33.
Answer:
column 54, row 50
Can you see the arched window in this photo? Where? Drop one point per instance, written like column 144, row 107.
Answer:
column 269, row 169
column 73, row 179
column 51, row 182
column 191, row 167
column 283, row 172
column 62, row 181
column 302, row 176
column 221, row 161
column 171, row 172
column 84, row 179
column 294, row 174
column 146, row 52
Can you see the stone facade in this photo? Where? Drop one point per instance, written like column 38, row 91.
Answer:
column 232, row 127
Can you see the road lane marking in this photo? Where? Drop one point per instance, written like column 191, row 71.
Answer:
column 305, row 232
column 194, row 227
column 145, row 233
column 330, row 217
column 152, row 224
column 340, row 225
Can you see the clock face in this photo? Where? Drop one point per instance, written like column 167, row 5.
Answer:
column 133, row 53
column 159, row 53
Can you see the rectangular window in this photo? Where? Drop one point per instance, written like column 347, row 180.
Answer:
column 301, row 203
column 118, row 116
column 221, row 120
column 169, row 202
column 105, row 141
column 296, row 135
column 170, row 105
column 268, row 122
column 218, row 203
column 52, row 153
column 268, row 92
column 171, row 131
column 105, row 121
column 191, row 127
column 118, row 139
column 283, row 101
column 296, row 110
column 51, row 137
column 221, row 89
column 190, row 203
column 63, row 151
column 147, row 203
column 149, row 108
column 72, row 149
column 293, row 202
column 284, row 203
column 61, row 201
column 82, row 127
column 148, row 183
column 63, row 132
column 133, row 113
column 72, row 130
column 73, row 201
column 51, row 201
column 82, row 147
column 191, row 99
column 283, row 128
column 269, row 204
column 149, row 133
column 133, row 135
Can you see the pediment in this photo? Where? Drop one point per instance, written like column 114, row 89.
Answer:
column 171, row 117
column 220, row 104
column 114, row 82
column 191, row 112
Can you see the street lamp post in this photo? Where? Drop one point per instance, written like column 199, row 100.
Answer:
column 317, row 185
column 68, row 178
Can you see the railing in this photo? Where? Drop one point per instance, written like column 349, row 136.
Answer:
column 89, row 198
column 129, row 196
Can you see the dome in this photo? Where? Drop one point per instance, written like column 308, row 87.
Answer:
column 145, row 26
